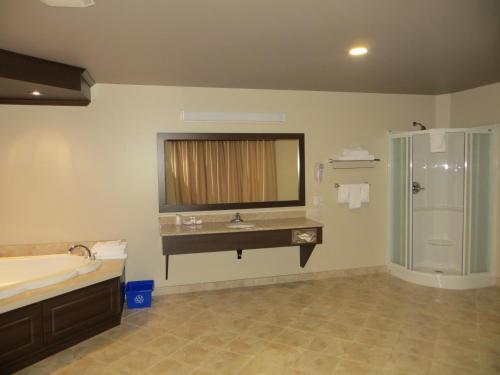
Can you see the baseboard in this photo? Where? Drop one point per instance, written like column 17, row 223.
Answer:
column 240, row 283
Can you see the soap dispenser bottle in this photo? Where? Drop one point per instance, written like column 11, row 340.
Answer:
column 178, row 219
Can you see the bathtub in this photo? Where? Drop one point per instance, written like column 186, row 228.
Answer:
column 20, row 274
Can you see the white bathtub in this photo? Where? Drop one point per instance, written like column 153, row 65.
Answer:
column 20, row 274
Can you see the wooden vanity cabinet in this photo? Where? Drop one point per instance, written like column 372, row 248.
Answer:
column 33, row 332
column 305, row 238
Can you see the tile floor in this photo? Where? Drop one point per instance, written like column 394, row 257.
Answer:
column 343, row 326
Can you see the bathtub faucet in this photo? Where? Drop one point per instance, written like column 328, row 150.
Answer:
column 79, row 246
column 236, row 218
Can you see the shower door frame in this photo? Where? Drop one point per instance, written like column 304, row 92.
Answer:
column 466, row 237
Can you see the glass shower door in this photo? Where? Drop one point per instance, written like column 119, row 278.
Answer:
column 479, row 201
column 399, row 198
column 437, row 205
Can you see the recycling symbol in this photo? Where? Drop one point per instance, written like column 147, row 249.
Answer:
column 139, row 299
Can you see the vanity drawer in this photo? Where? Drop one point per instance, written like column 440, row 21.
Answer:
column 304, row 236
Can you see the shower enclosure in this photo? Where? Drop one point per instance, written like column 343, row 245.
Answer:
column 442, row 208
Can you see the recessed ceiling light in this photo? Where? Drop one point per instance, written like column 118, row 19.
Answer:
column 358, row 51
column 36, row 93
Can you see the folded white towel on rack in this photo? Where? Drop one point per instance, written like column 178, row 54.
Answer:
column 438, row 140
column 353, row 154
column 358, row 151
column 352, row 157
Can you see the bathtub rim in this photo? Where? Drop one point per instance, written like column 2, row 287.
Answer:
column 110, row 268
column 88, row 265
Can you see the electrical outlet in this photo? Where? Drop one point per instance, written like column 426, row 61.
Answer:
column 318, row 201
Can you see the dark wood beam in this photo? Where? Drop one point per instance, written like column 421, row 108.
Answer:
column 29, row 69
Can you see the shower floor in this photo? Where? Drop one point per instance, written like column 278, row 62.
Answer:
column 438, row 270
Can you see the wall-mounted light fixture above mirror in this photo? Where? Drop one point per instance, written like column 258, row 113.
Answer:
column 217, row 171
column 257, row 117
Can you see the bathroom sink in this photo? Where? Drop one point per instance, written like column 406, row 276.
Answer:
column 240, row 225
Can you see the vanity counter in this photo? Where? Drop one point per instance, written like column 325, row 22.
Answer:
column 215, row 235
column 167, row 230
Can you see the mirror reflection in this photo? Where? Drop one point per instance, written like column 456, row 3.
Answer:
column 199, row 172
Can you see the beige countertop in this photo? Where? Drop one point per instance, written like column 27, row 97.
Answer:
column 221, row 227
column 109, row 269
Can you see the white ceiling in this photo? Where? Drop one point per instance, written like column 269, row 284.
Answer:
column 416, row 46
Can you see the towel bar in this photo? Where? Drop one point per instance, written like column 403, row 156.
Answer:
column 331, row 160
column 352, row 164
column 337, row 185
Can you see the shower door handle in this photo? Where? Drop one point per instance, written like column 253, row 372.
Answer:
column 416, row 187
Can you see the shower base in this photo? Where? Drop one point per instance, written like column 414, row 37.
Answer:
column 428, row 277
column 439, row 270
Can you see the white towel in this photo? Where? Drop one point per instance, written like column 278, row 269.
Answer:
column 355, row 196
column 110, row 250
column 119, row 256
column 352, row 157
column 343, row 194
column 438, row 140
column 358, row 151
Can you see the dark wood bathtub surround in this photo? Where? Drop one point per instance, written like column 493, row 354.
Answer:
column 33, row 332
column 60, row 84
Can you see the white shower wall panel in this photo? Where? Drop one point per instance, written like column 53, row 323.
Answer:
column 441, row 246
column 438, row 207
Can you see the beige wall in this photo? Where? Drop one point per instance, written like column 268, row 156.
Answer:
column 90, row 173
column 443, row 111
column 478, row 107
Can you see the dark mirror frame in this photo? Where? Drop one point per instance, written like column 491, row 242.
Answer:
column 162, row 137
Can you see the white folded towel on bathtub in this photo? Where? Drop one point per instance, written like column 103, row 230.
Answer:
column 110, row 250
column 104, row 257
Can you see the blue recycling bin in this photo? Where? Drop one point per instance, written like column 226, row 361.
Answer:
column 139, row 293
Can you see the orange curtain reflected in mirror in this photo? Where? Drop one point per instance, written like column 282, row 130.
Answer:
column 207, row 172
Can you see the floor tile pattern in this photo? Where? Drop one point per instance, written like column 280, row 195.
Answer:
column 366, row 325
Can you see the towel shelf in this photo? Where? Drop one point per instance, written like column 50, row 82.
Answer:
column 352, row 164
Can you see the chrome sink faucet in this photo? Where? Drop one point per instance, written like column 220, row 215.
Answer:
column 236, row 218
column 85, row 248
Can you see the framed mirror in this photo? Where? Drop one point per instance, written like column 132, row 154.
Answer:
column 219, row 171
